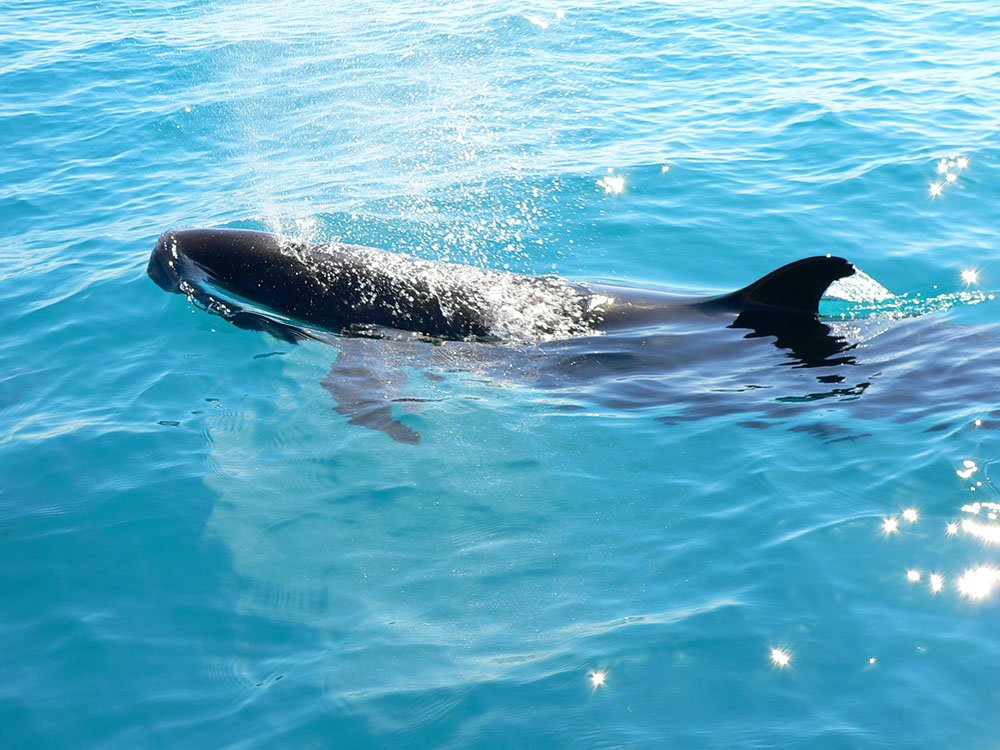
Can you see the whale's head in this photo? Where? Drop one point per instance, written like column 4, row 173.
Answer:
column 229, row 258
column 165, row 264
column 192, row 255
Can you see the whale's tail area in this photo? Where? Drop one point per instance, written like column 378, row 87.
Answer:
column 796, row 288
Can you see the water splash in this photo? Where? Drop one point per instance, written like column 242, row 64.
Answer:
column 859, row 287
column 860, row 297
column 513, row 307
column 904, row 305
column 450, row 175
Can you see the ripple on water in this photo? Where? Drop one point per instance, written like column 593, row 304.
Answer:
column 197, row 521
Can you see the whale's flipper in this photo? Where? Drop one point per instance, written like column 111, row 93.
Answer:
column 364, row 386
column 796, row 287
column 250, row 321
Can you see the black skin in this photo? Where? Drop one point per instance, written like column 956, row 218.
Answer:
column 340, row 288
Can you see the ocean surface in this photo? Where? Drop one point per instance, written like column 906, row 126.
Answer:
column 726, row 547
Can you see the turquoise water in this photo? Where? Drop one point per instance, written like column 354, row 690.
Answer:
column 197, row 550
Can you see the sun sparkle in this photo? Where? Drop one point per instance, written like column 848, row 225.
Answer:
column 890, row 525
column 986, row 532
column 598, row 678
column 937, row 582
column 613, row 184
column 780, row 657
column 970, row 276
column 969, row 468
column 978, row 583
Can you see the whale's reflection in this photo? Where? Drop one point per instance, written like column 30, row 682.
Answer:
column 809, row 341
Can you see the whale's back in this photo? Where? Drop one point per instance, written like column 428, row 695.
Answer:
column 338, row 286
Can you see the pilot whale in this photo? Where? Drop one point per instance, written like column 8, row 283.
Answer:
column 761, row 355
column 263, row 281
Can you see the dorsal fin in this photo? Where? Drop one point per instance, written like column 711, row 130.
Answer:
column 796, row 287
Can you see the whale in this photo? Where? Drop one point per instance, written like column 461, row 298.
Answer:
column 409, row 331
column 621, row 345
column 289, row 288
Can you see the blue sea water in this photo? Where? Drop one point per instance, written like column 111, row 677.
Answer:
column 197, row 550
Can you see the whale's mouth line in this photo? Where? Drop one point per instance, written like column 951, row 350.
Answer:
column 252, row 316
